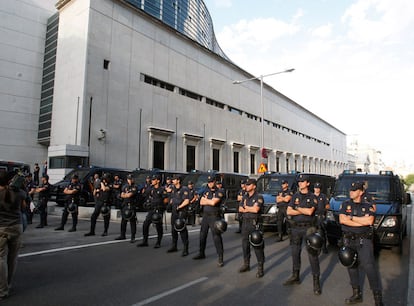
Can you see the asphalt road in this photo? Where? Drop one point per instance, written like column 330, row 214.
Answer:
column 62, row 268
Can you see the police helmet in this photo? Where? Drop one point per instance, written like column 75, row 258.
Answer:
column 179, row 224
column 128, row 213
column 156, row 217
column 348, row 256
column 314, row 243
column 105, row 210
column 256, row 238
column 220, row 226
column 72, row 207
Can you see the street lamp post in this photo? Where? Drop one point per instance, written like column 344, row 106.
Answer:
column 261, row 99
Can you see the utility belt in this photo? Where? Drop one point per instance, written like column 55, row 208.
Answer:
column 301, row 224
column 211, row 213
column 253, row 221
column 354, row 236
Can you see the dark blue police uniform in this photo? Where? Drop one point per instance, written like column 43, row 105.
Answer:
column 69, row 199
column 156, row 198
column 129, row 204
column 178, row 195
column 360, row 239
column 210, row 215
column 101, row 199
column 251, row 222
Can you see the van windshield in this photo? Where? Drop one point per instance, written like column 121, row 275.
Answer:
column 272, row 184
column 199, row 180
column 377, row 187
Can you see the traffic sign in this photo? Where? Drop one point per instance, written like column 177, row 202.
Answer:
column 262, row 168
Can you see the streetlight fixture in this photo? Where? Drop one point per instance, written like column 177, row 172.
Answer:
column 261, row 98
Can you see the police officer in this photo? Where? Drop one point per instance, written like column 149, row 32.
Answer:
column 102, row 195
column 194, row 203
column 282, row 200
column 251, row 208
column 73, row 195
column 30, row 189
column 128, row 213
column 301, row 211
column 211, row 200
column 240, row 196
column 323, row 205
column 116, row 191
column 179, row 200
column 156, row 194
column 43, row 190
column 357, row 218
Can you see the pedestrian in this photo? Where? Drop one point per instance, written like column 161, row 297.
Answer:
column 72, row 192
column 129, row 201
column 251, row 208
column 240, row 196
column 102, row 205
column 43, row 190
column 323, row 206
column 301, row 211
column 156, row 194
column 44, row 168
column 282, row 201
column 36, row 171
column 211, row 201
column 357, row 218
column 11, row 204
column 179, row 200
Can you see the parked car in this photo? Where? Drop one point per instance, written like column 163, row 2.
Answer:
column 85, row 175
column 387, row 192
column 269, row 185
column 14, row 166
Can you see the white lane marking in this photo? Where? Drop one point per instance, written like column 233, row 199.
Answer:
column 164, row 294
column 87, row 245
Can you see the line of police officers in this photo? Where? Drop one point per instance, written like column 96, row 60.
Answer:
column 304, row 211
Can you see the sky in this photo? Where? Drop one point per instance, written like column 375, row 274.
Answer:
column 353, row 61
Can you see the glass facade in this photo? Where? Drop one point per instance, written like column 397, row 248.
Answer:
column 48, row 81
column 189, row 17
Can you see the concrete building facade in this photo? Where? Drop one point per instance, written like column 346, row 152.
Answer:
column 132, row 91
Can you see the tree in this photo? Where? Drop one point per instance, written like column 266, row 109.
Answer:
column 409, row 180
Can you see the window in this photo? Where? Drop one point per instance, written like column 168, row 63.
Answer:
column 158, row 156
column 252, row 164
column 106, row 64
column 216, row 159
column 277, row 164
column 190, row 158
column 236, row 162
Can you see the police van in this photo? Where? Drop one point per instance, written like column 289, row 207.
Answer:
column 86, row 175
column 14, row 166
column 386, row 191
column 269, row 186
column 231, row 184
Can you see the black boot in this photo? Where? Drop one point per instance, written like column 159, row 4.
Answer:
column 316, row 285
column 73, row 229
column 245, row 267
column 279, row 238
column 132, row 238
column 90, row 234
column 356, row 296
column 260, row 272
column 144, row 243
column 185, row 250
column 378, row 298
column 220, row 261
column 200, row 255
column 173, row 248
column 293, row 279
column 158, row 244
